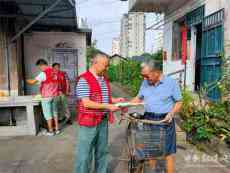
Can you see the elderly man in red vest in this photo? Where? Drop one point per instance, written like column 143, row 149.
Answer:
column 94, row 108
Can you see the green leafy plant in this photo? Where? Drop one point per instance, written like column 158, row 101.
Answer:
column 127, row 73
column 206, row 122
column 187, row 103
column 202, row 119
column 224, row 83
column 90, row 52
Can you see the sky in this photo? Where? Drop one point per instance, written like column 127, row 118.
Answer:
column 104, row 18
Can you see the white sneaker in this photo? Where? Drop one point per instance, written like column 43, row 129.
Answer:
column 57, row 132
column 48, row 133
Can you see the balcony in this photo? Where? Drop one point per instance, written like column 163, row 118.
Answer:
column 158, row 6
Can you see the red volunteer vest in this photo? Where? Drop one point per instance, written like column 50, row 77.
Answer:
column 92, row 117
column 49, row 87
column 62, row 82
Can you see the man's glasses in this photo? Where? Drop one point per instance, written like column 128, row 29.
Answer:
column 144, row 76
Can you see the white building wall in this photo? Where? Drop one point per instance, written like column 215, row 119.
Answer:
column 116, row 46
column 136, row 34
column 226, row 5
column 124, row 36
column 211, row 6
column 132, row 34
column 39, row 45
column 170, row 66
column 167, row 47
column 158, row 41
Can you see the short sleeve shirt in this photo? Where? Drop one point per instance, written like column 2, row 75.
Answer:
column 41, row 77
column 161, row 97
column 83, row 90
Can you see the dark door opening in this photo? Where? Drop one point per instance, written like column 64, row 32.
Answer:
column 198, row 56
column 69, row 62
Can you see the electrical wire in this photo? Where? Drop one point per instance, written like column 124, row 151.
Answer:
column 101, row 3
column 105, row 22
column 155, row 24
column 174, row 13
column 106, row 33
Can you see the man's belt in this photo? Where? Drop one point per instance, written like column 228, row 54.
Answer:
column 155, row 114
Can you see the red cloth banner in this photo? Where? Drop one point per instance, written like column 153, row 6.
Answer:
column 183, row 44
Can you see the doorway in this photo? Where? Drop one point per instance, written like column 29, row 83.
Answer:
column 68, row 60
column 212, row 49
column 198, row 55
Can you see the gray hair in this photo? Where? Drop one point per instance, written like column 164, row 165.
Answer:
column 152, row 65
column 97, row 55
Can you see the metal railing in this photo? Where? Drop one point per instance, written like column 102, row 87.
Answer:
column 181, row 79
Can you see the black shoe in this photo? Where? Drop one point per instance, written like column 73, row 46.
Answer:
column 69, row 122
column 62, row 120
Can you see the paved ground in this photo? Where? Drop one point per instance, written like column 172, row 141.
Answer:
column 42, row 154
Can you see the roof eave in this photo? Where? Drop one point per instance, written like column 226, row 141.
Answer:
column 142, row 6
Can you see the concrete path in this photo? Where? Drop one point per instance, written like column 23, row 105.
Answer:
column 56, row 154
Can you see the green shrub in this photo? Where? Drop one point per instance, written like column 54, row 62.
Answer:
column 187, row 104
column 206, row 122
column 127, row 73
column 203, row 119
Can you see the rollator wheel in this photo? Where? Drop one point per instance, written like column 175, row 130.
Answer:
column 135, row 166
column 160, row 167
column 131, row 166
column 141, row 168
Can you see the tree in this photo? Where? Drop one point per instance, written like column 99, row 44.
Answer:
column 157, row 57
column 91, row 50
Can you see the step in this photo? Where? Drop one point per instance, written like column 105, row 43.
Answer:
column 181, row 136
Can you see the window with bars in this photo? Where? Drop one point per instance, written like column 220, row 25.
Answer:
column 181, row 37
column 178, row 39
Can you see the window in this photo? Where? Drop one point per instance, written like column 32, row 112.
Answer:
column 179, row 45
column 176, row 46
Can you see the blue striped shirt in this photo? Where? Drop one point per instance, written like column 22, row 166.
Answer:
column 83, row 91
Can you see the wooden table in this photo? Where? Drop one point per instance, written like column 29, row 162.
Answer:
column 20, row 101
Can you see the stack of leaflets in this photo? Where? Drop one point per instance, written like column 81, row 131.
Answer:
column 37, row 97
column 127, row 104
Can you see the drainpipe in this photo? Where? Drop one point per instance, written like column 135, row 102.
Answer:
column 8, row 67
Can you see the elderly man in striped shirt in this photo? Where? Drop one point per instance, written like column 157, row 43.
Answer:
column 94, row 110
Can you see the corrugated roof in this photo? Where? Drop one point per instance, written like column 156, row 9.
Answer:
column 64, row 14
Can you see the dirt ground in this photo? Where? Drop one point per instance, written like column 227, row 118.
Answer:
column 42, row 154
